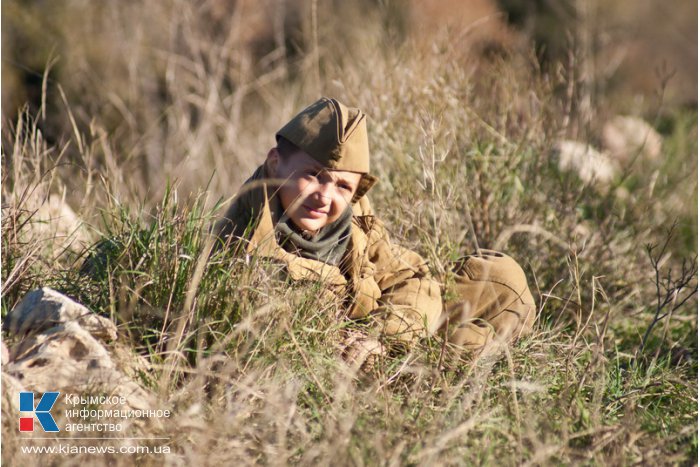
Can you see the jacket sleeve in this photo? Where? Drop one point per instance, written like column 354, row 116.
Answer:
column 410, row 304
column 242, row 213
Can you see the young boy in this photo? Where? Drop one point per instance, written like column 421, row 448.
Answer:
column 308, row 208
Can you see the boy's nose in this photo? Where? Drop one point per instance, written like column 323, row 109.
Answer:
column 325, row 191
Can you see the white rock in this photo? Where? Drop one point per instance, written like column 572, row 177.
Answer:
column 61, row 351
column 591, row 165
column 626, row 137
column 45, row 308
column 11, row 386
column 5, row 354
column 67, row 358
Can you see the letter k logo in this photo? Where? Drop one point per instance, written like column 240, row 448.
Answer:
column 42, row 411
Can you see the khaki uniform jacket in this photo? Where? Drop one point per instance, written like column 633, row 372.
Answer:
column 376, row 277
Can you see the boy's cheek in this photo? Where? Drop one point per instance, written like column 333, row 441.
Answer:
column 343, row 202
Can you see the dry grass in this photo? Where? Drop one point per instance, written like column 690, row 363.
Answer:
column 148, row 146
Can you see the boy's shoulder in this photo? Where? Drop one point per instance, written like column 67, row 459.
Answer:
column 362, row 207
column 363, row 214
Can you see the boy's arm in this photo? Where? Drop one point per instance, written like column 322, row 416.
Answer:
column 411, row 302
column 231, row 225
column 242, row 211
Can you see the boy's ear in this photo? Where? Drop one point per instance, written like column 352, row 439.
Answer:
column 272, row 161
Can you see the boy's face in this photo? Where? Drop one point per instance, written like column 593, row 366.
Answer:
column 312, row 196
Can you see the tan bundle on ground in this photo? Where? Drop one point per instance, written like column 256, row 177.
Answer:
column 493, row 301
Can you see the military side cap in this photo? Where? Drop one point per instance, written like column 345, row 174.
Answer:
column 335, row 136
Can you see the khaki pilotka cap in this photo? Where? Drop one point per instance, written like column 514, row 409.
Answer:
column 335, row 136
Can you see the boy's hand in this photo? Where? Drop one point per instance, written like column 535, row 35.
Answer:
column 361, row 352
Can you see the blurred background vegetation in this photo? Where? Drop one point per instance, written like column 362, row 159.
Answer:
column 145, row 71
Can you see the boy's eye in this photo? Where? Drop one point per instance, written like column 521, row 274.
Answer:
column 345, row 187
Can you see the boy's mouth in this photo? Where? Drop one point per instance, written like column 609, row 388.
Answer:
column 315, row 212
